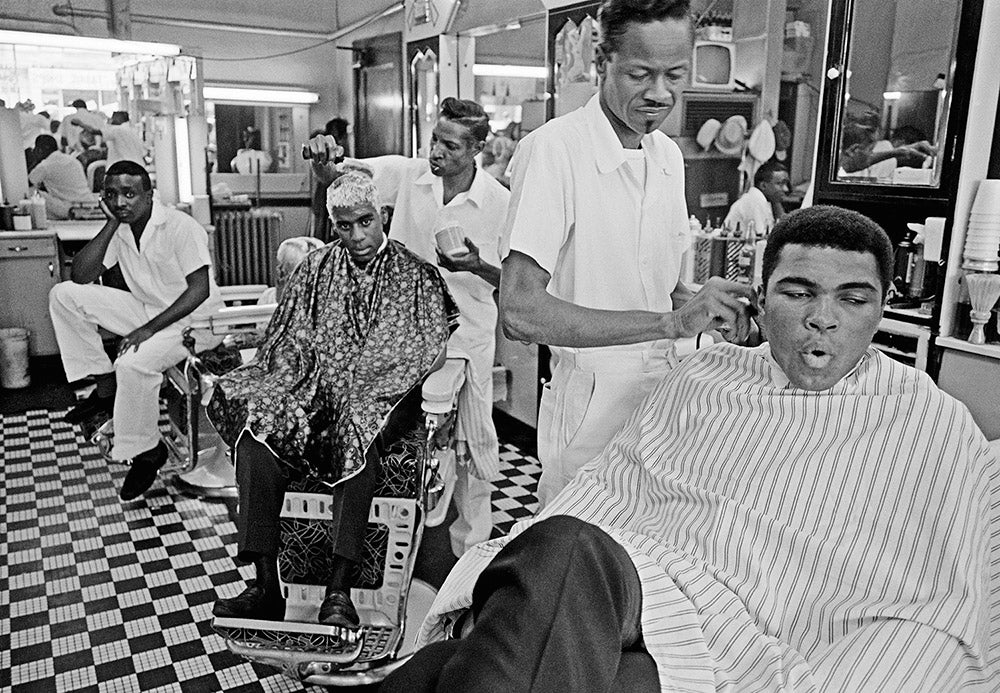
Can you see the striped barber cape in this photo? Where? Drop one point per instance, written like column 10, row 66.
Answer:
column 788, row 540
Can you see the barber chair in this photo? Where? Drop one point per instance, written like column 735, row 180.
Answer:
column 203, row 468
column 414, row 489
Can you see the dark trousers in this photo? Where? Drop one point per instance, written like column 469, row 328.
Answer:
column 262, row 480
column 558, row 609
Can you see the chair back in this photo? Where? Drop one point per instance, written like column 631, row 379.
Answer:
column 95, row 174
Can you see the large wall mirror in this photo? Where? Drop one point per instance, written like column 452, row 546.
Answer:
column 245, row 136
column 895, row 94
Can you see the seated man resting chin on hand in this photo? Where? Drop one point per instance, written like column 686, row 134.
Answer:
column 814, row 517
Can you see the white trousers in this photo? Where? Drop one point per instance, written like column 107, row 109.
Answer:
column 586, row 402
column 77, row 311
column 475, row 514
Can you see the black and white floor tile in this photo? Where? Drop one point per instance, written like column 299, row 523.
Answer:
column 96, row 595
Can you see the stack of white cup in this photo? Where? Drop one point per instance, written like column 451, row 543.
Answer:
column 982, row 237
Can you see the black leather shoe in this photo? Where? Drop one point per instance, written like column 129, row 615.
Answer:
column 338, row 610
column 253, row 602
column 90, row 407
column 142, row 473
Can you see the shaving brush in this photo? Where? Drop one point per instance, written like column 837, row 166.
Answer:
column 984, row 290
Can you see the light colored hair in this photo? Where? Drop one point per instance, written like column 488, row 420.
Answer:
column 293, row 250
column 354, row 188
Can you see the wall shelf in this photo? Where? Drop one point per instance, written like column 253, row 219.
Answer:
column 988, row 350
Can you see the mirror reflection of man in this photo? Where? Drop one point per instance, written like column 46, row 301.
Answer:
column 597, row 228
column 69, row 131
column 763, row 204
column 123, row 143
column 58, row 177
column 428, row 195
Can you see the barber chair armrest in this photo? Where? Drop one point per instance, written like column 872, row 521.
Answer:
column 242, row 293
column 440, row 388
column 236, row 319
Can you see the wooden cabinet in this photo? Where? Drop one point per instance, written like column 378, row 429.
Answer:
column 29, row 268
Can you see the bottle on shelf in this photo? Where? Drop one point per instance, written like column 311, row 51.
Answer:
column 748, row 252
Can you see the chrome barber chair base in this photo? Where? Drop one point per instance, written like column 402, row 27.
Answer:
column 319, row 655
column 212, row 477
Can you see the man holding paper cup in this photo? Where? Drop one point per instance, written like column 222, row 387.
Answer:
column 451, row 213
column 597, row 227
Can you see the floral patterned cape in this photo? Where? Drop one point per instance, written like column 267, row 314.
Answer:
column 344, row 345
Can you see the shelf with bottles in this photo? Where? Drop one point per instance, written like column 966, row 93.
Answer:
column 726, row 252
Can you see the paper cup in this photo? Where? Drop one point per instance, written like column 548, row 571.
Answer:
column 451, row 241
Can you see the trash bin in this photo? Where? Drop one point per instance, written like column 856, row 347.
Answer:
column 14, row 357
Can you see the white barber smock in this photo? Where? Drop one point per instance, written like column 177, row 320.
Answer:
column 417, row 196
column 611, row 239
column 173, row 245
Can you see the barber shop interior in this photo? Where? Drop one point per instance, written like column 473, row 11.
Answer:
column 740, row 432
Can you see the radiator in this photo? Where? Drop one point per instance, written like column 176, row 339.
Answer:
column 246, row 243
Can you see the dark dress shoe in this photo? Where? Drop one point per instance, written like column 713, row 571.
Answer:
column 253, row 602
column 142, row 473
column 90, row 407
column 338, row 610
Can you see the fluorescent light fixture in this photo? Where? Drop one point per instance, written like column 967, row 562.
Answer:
column 490, row 29
column 892, row 95
column 182, row 144
column 259, row 95
column 529, row 71
column 87, row 43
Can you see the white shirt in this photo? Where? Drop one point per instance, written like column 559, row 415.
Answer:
column 608, row 238
column 124, row 144
column 32, row 125
column 251, row 160
column 418, row 198
column 790, row 540
column 752, row 206
column 63, row 177
column 172, row 246
column 72, row 132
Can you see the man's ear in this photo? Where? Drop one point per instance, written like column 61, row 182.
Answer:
column 601, row 59
column 383, row 213
column 757, row 300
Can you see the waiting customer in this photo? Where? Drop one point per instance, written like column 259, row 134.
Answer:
column 163, row 255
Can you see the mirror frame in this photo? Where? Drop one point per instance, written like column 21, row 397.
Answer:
column 827, row 187
column 419, row 50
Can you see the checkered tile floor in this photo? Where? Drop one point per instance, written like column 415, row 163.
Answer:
column 100, row 596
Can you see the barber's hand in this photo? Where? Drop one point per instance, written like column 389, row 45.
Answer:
column 720, row 305
column 134, row 338
column 322, row 149
column 467, row 262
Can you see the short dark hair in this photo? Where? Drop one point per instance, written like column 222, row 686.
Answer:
column 614, row 16
column 767, row 171
column 119, row 117
column 129, row 168
column 856, row 133
column 45, row 145
column 79, row 103
column 826, row 226
column 337, row 128
column 467, row 113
